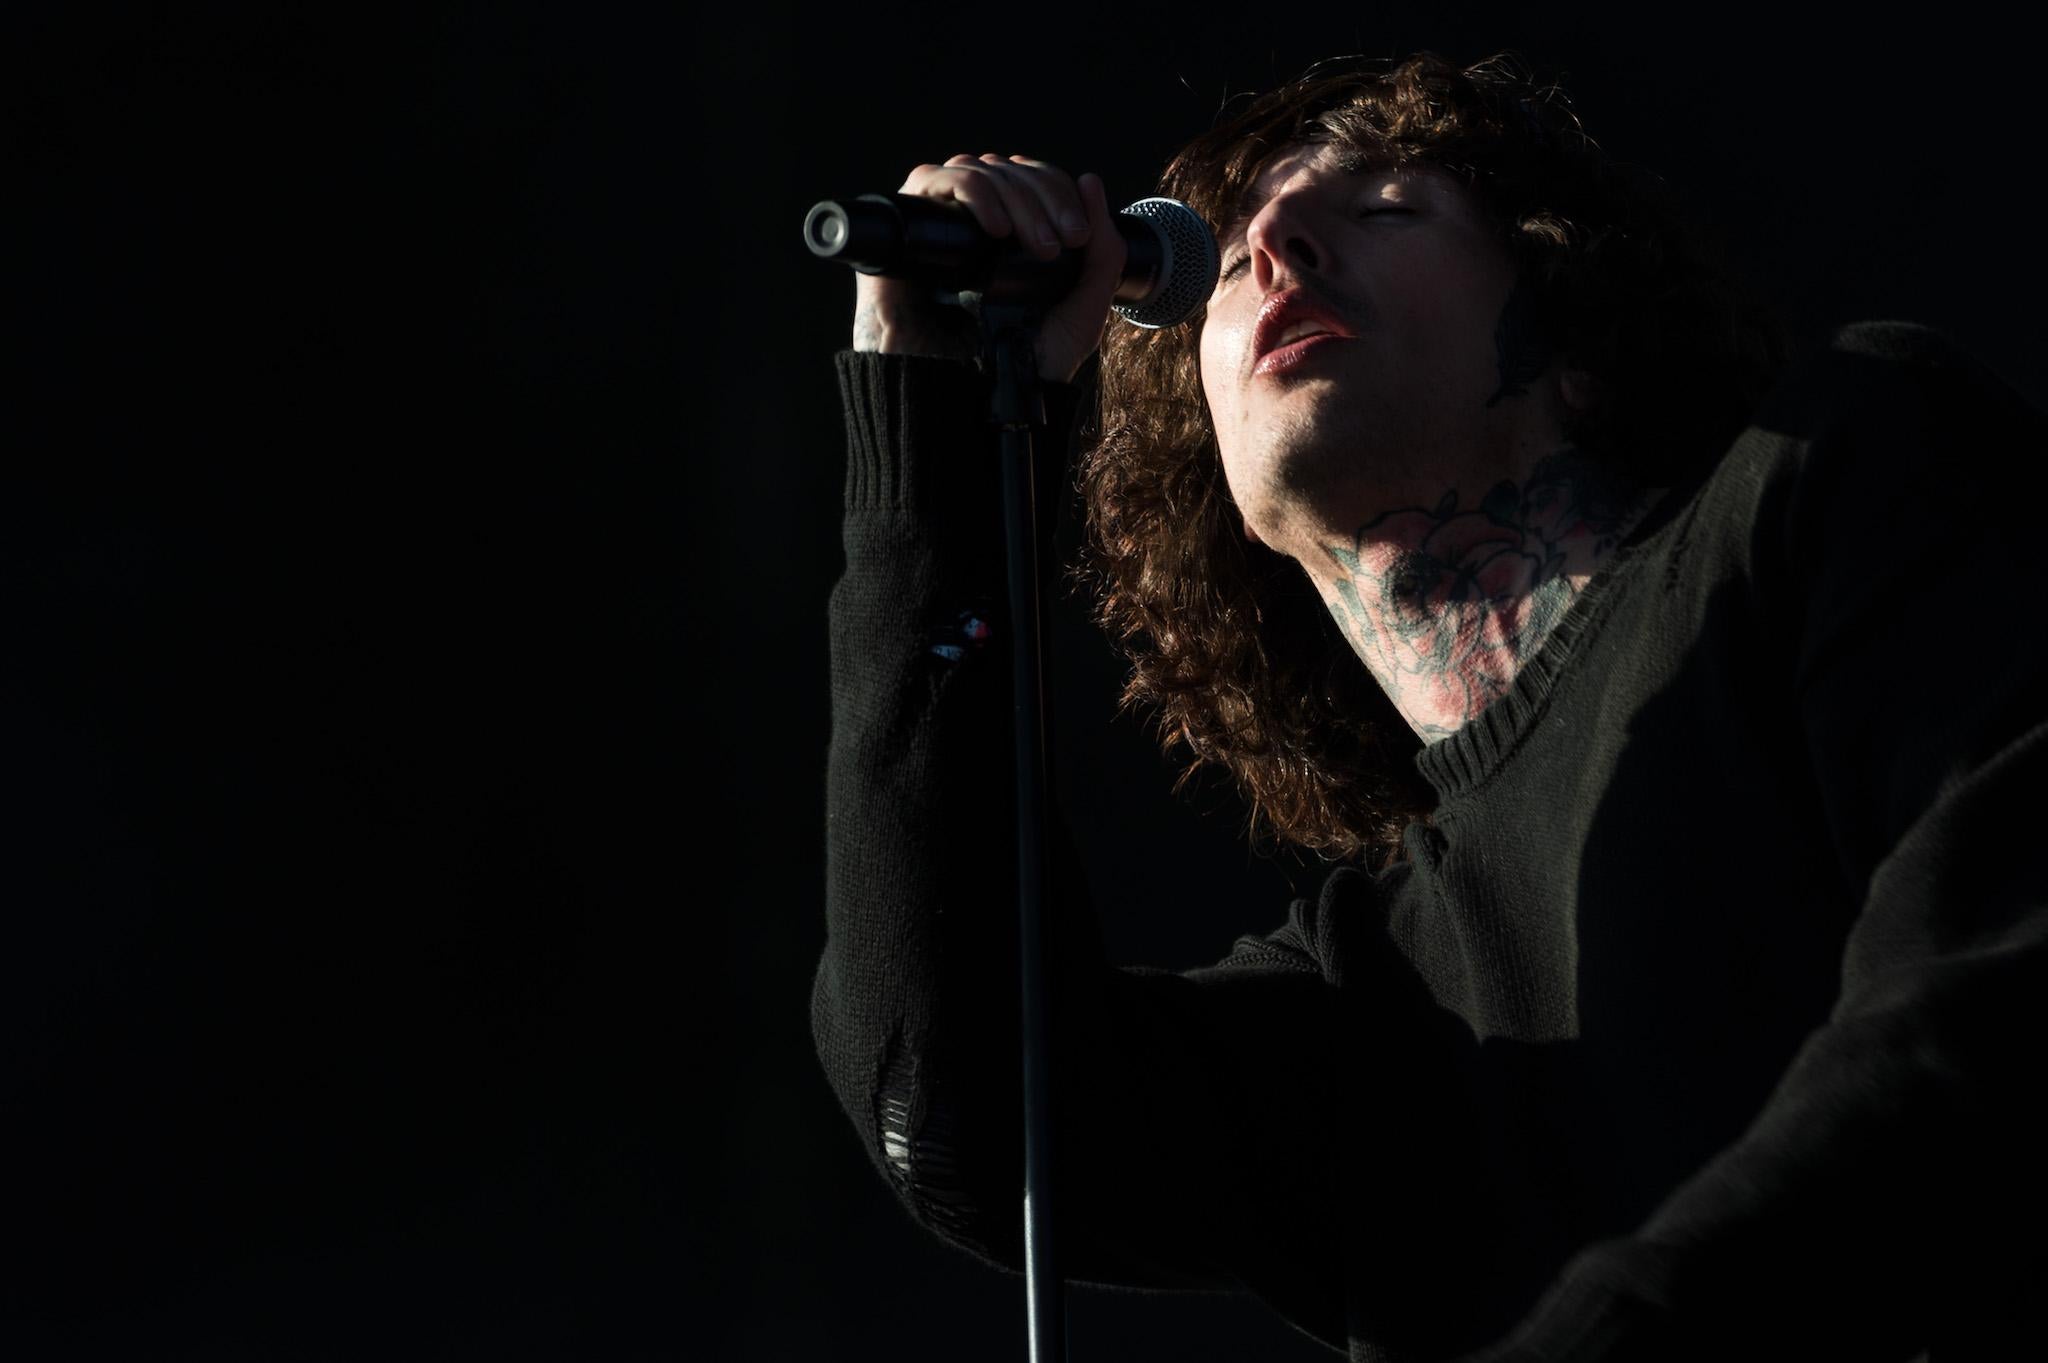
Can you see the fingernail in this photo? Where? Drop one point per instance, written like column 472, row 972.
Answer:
column 1071, row 225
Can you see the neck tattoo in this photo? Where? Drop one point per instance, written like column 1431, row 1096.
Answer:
column 1445, row 605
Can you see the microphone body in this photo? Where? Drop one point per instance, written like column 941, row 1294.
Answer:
column 1170, row 262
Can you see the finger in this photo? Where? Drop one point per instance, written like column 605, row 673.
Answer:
column 999, row 192
column 1026, row 204
column 1061, row 198
column 963, row 180
column 1103, row 266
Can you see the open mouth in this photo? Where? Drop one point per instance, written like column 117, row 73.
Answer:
column 1282, row 358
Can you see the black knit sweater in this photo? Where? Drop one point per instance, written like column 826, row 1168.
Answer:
column 1701, row 1021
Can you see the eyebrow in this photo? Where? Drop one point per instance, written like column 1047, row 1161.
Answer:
column 1249, row 203
column 1256, row 197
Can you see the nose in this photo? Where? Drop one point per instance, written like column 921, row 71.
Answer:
column 1285, row 236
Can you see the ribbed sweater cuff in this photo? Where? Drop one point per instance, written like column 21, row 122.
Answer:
column 916, row 432
column 919, row 443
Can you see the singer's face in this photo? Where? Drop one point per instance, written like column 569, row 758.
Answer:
column 1317, row 438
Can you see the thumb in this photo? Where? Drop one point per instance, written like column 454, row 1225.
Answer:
column 1079, row 320
column 1103, row 264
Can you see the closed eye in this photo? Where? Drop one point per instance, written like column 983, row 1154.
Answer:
column 1237, row 262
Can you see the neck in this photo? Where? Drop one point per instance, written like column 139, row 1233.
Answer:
column 1445, row 604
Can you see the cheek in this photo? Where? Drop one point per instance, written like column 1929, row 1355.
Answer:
column 1214, row 355
column 1213, row 398
column 1216, row 395
column 1205, row 362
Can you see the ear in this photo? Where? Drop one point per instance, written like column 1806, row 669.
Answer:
column 1581, row 389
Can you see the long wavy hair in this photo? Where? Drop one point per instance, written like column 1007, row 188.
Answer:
column 1227, row 639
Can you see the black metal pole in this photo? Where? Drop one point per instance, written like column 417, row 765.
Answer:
column 904, row 237
column 1017, row 408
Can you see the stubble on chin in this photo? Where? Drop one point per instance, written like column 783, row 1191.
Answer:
column 1298, row 475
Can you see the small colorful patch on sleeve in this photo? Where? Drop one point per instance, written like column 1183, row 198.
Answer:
column 965, row 632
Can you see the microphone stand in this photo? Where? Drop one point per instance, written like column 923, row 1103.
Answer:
column 1009, row 333
column 1170, row 268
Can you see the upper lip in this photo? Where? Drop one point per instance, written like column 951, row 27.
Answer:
column 1293, row 308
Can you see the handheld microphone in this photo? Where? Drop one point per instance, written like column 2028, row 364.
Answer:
column 1170, row 261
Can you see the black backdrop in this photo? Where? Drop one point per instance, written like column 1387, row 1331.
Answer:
column 423, row 504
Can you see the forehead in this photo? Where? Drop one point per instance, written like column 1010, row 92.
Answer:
column 1318, row 162
column 1316, row 158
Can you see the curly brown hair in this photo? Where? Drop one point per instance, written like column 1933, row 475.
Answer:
column 1227, row 638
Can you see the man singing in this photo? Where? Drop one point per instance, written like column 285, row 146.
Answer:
column 1666, row 703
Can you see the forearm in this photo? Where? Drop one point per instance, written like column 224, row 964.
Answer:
column 916, row 1005
column 1161, row 1080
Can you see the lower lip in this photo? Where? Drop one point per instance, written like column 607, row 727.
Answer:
column 1289, row 356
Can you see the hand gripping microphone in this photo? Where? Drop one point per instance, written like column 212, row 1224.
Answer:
column 1170, row 260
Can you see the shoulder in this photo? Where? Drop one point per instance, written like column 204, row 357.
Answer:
column 1899, row 342
column 1890, row 419
column 1889, row 381
column 1897, row 524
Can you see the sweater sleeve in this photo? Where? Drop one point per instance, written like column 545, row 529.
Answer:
column 1162, row 1080
column 1868, row 1211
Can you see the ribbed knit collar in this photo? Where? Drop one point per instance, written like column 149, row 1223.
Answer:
column 1459, row 763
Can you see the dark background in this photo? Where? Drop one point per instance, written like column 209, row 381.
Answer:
column 421, row 514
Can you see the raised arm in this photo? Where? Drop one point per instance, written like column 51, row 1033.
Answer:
column 915, row 1008
column 1164, row 1082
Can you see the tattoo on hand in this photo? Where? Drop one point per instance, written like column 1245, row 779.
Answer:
column 867, row 328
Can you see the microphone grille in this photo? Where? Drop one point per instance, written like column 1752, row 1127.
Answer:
column 1188, row 265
